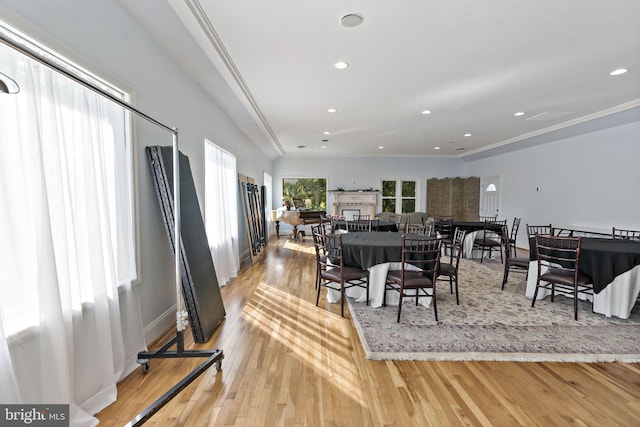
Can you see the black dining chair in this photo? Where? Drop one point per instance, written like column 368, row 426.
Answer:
column 359, row 225
column 334, row 274
column 421, row 252
column 559, row 268
column 511, row 263
column 361, row 217
column 443, row 226
column 424, row 230
column 514, row 235
column 490, row 240
column 318, row 232
column 543, row 230
column 619, row 233
column 449, row 270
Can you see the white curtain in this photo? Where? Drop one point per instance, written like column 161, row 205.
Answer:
column 221, row 214
column 70, row 322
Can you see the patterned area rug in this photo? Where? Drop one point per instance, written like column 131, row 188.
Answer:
column 491, row 324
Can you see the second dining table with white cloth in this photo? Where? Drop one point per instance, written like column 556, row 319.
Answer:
column 377, row 252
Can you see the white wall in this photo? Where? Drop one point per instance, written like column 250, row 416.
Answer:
column 101, row 36
column 590, row 180
column 364, row 172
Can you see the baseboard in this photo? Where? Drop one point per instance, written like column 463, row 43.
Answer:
column 159, row 326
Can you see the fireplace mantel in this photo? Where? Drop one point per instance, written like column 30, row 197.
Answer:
column 359, row 202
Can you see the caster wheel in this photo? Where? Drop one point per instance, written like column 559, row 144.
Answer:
column 144, row 364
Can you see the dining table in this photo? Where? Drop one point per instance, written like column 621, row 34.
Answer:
column 378, row 252
column 614, row 267
column 474, row 229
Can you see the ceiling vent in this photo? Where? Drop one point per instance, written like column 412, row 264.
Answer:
column 550, row 116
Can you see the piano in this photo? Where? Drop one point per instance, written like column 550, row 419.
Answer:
column 295, row 218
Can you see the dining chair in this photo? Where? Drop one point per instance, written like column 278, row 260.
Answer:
column 318, row 232
column 487, row 218
column 449, row 270
column 490, row 239
column 444, row 231
column 361, row 217
column 520, row 265
column 375, row 224
column 337, row 276
column 544, row 230
column 619, row 233
column 424, row 230
column 514, row 235
column 421, row 252
column 559, row 268
column 359, row 225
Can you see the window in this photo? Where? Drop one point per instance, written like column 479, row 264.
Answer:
column 221, row 211
column 305, row 193
column 399, row 196
column 72, row 147
column 70, row 320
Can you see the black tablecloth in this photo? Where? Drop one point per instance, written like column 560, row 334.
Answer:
column 382, row 225
column 603, row 259
column 368, row 249
column 364, row 249
column 469, row 226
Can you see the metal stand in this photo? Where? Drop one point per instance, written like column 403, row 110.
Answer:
column 144, row 358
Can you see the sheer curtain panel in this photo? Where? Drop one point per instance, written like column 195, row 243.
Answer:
column 70, row 322
column 221, row 211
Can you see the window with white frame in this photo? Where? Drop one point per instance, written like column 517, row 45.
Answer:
column 399, row 196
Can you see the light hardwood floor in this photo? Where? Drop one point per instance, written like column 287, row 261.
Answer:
column 290, row 363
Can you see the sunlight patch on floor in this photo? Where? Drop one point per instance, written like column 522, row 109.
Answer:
column 325, row 346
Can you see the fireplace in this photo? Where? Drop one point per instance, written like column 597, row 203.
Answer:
column 348, row 203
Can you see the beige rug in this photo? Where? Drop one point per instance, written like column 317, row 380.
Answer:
column 490, row 324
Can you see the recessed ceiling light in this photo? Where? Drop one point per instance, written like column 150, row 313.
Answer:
column 519, row 113
column 351, row 20
column 302, row 146
column 325, row 140
column 332, row 110
column 324, row 146
column 341, row 65
column 426, row 112
column 618, row 71
column 326, row 132
column 380, row 147
column 436, row 148
column 467, row 134
column 459, row 148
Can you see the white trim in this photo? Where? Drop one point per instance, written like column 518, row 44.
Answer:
column 160, row 325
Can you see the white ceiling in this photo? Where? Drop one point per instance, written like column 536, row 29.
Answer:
column 472, row 63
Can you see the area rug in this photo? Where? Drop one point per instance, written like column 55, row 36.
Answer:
column 491, row 324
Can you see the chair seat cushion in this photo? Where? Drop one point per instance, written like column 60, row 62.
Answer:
column 349, row 273
column 564, row 277
column 412, row 279
column 488, row 242
column 447, row 269
column 519, row 262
